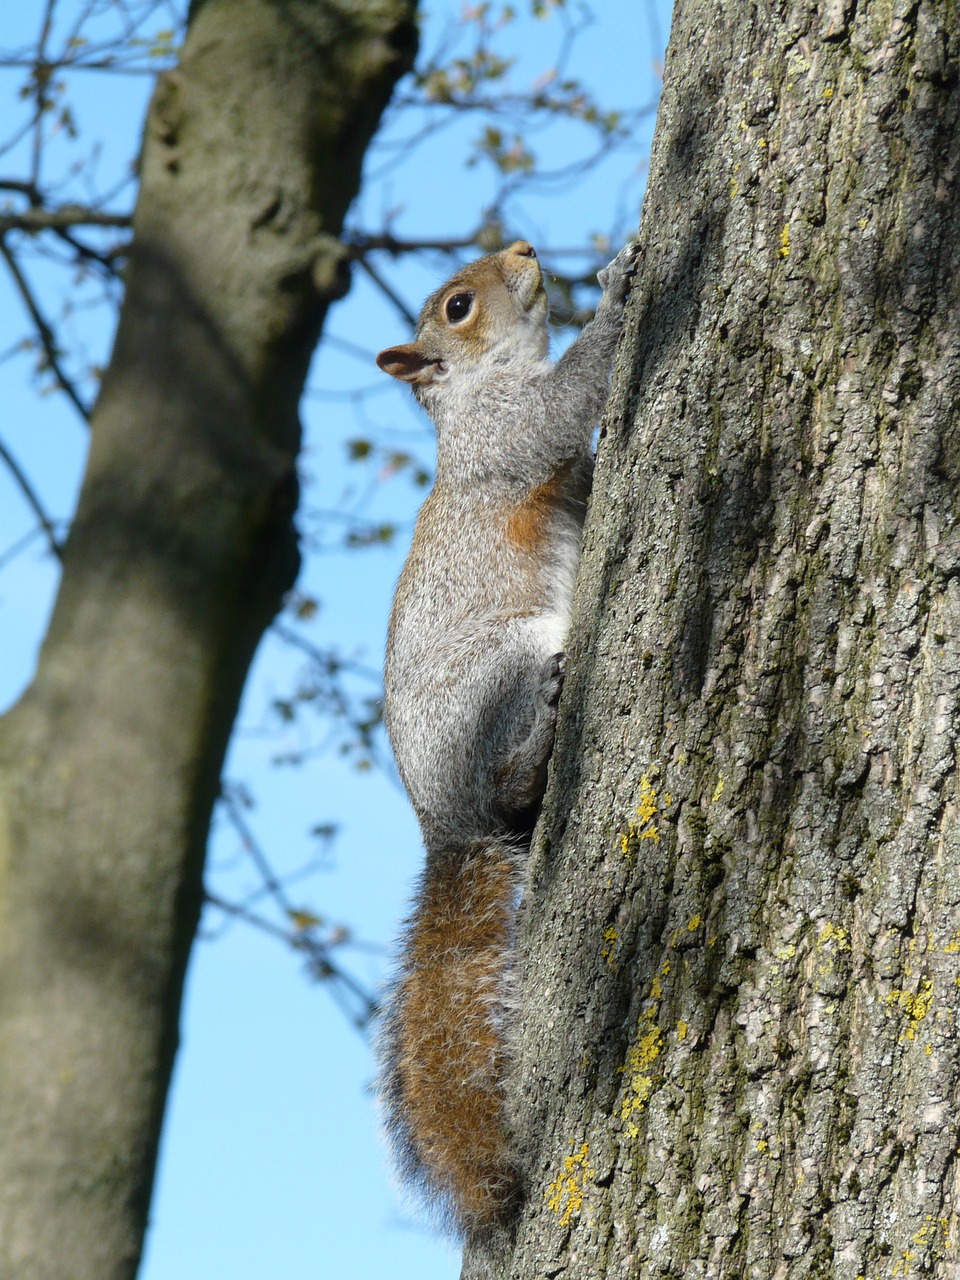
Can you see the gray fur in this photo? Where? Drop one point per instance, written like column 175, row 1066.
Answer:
column 475, row 649
column 474, row 620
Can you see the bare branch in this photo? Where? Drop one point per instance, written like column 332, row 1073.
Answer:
column 116, row 66
column 47, row 338
column 271, row 883
column 67, row 216
column 27, row 189
column 42, row 72
column 361, row 243
column 329, row 661
column 32, row 499
column 357, row 1003
column 389, row 293
column 106, row 258
column 11, row 552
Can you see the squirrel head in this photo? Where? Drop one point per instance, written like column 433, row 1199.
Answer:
column 492, row 311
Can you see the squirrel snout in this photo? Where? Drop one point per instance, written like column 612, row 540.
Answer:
column 520, row 268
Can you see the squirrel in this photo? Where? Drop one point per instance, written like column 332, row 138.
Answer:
column 474, row 669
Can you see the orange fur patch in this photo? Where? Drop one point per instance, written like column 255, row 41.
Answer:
column 528, row 524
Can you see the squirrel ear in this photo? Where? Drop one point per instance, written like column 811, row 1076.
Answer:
column 408, row 363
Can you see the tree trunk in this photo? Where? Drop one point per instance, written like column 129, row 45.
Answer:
column 741, row 947
column 181, row 550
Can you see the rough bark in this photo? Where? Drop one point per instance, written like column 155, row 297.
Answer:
column 181, row 550
column 740, row 1054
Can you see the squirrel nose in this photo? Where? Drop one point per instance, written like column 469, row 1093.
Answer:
column 523, row 249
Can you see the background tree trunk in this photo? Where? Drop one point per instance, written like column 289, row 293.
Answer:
column 182, row 548
column 740, row 1051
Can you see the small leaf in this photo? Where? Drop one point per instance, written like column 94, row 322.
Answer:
column 303, row 920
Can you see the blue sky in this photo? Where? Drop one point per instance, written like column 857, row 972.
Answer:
column 271, row 1161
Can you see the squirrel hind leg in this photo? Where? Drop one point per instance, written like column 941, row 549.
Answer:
column 551, row 678
column 521, row 779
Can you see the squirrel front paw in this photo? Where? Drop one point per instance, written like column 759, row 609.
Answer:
column 616, row 278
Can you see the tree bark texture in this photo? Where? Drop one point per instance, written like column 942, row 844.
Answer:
column 741, row 946
column 181, row 550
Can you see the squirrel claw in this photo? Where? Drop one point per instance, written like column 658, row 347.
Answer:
column 551, row 678
column 615, row 279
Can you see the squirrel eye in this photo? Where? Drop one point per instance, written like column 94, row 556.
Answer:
column 458, row 307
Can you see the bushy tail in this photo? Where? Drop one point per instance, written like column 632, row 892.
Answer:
column 443, row 1049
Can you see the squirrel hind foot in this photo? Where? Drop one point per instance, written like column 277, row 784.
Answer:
column 551, row 678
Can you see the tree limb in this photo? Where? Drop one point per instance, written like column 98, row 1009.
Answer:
column 37, row 218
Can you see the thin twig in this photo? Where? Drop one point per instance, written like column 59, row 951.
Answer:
column 330, row 663
column 38, row 218
column 108, row 65
column 388, row 292
column 33, row 500
column 361, row 242
column 106, row 258
column 252, row 847
column 27, row 189
column 47, row 338
column 41, row 80
column 318, row 956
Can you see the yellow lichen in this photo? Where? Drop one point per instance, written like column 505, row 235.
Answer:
column 609, row 944
column 694, row 923
column 640, row 1082
column 681, row 1030
column 797, row 64
column 934, row 1235
column 564, row 1195
column 647, row 808
column 831, row 941
column 643, row 826
column 915, row 1004
column 718, row 791
column 834, row 936
column 784, row 250
column 828, row 92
